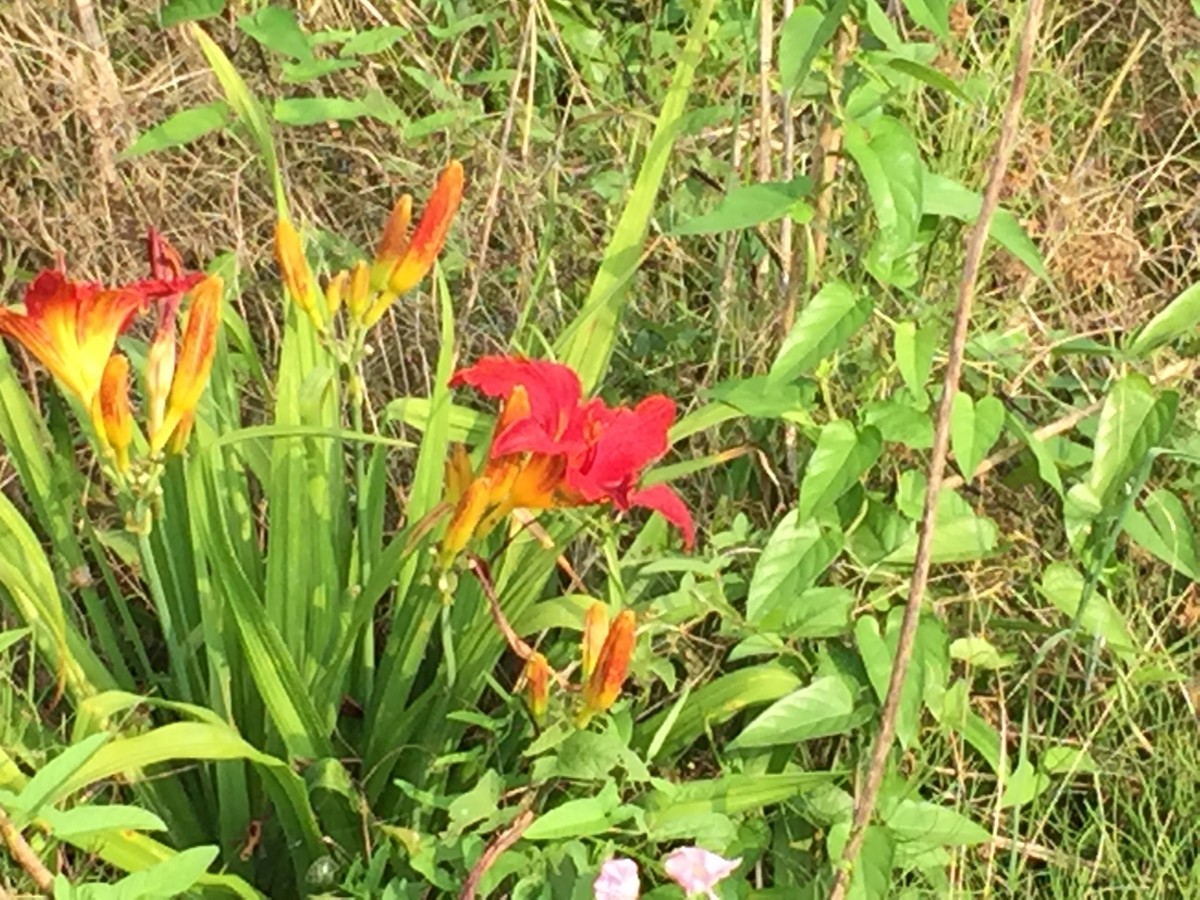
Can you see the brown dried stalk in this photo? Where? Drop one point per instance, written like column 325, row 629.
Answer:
column 867, row 797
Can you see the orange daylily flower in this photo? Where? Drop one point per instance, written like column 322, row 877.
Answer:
column 537, row 677
column 113, row 416
column 602, row 688
column 196, row 352
column 71, row 328
column 552, row 448
column 402, row 261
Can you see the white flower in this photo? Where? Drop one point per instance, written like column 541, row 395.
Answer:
column 697, row 871
column 618, row 880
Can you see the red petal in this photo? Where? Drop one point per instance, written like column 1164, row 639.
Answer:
column 664, row 501
column 627, row 441
column 553, row 424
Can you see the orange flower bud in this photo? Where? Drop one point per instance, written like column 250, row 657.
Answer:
column 604, row 685
column 426, row 244
column 196, row 353
column 335, row 291
column 160, row 366
column 115, row 420
column 595, row 630
column 537, row 677
column 297, row 277
column 458, row 472
column 471, row 506
column 360, row 291
column 393, row 243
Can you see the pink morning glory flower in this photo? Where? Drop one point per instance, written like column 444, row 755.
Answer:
column 697, row 871
column 618, row 880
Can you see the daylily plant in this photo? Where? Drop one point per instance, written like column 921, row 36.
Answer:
column 553, row 448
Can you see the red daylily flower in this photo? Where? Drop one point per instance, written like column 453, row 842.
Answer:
column 553, row 448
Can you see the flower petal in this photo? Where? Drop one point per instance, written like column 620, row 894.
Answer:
column 618, row 880
column 627, row 440
column 552, row 397
column 664, row 501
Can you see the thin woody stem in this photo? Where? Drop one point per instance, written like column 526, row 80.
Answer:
column 869, row 794
column 24, row 856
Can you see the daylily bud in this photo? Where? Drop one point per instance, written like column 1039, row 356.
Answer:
column 335, row 291
column 470, row 509
column 297, row 277
column 196, row 352
column 604, row 685
column 537, row 676
column 393, row 243
column 426, row 244
column 360, row 291
column 160, row 364
column 115, row 425
column 458, row 472
column 595, row 630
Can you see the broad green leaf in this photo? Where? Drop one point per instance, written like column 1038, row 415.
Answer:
column 719, row 701
column 304, row 70
column 877, row 654
column 955, row 715
column 840, row 458
column 171, row 877
column 890, row 162
column 900, row 422
column 48, row 783
column 1063, row 586
column 1024, row 785
column 176, row 12
column 1066, row 760
column 796, row 553
column 1179, row 318
column 747, row 206
column 929, row 823
column 760, row 397
column 819, row 612
column 670, row 810
column 820, row 709
column 829, row 319
column 182, row 128
column 587, row 343
column 974, row 430
column 373, row 40
column 980, row 653
column 477, row 804
column 313, row 110
column 946, row 197
column 1164, row 528
column 914, row 349
column 871, row 877
column 277, row 29
column 801, row 38
column 931, row 14
column 1133, row 420
column 577, row 818
column 85, row 820
column 959, row 534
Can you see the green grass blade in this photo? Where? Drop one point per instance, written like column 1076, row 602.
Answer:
column 587, row 344
column 248, row 109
